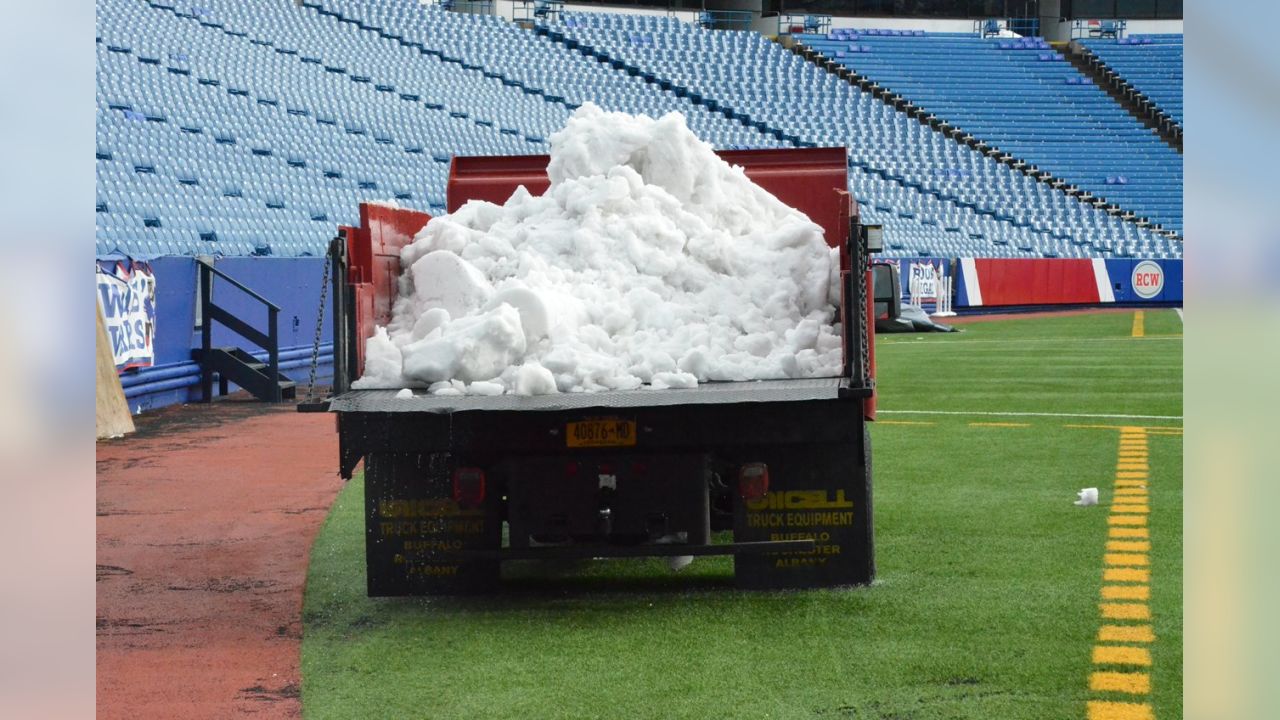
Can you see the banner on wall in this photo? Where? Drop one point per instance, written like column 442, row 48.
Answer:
column 988, row 282
column 127, row 298
column 923, row 274
column 924, row 277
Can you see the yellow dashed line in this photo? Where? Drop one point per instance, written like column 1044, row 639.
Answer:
column 1126, row 634
column 1133, row 683
column 1105, row 710
column 1126, row 592
column 1127, row 520
column 1127, row 588
column 1125, row 559
column 1121, row 655
column 1128, row 546
column 1125, row 611
column 1126, row 575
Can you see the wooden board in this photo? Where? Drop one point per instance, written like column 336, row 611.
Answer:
column 112, row 408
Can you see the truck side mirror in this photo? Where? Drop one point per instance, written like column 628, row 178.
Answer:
column 886, row 291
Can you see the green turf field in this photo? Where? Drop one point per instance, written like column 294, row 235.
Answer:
column 989, row 579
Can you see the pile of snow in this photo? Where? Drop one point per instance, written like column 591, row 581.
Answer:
column 649, row 261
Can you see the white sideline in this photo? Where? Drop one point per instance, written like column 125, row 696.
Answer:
column 1179, row 311
column 1027, row 414
column 1022, row 341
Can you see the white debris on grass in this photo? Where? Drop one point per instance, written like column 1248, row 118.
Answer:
column 648, row 262
column 1087, row 497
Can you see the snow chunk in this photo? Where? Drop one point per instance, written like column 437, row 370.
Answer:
column 649, row 260
column 381, row 363
column 476, row 347
column 664, row 380
column 533, row 379
column 444, row 281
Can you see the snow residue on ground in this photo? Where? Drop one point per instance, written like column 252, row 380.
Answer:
column 648, row 262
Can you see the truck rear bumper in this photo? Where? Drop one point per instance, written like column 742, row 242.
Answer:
column 592, row 552
column 673, row 474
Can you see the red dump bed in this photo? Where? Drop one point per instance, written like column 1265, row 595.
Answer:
column 812, row 180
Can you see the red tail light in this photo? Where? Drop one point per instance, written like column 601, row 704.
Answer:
column 468, row 486
column 753, row 481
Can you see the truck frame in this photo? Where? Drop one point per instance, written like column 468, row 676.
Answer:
column 455, row 486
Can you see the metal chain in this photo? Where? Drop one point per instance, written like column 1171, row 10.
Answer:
column 315, row 345
column 863, row 348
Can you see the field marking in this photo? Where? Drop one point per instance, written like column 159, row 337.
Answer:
column 1121, row 655
column 1125, row 611
column 1126, row 592
column 1107, row 710
column 1139, row 324
column 999, row 424
column 991, row 413
column 1173, row 429
column 1128, row 546
column 1126, row 633
column 1126, row 589
column 1131, row 683
column 1180, row 318
column 1127, row 559
column 1126, row 575
column 1023, row 341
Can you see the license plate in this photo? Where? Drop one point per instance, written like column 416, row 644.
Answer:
column 601, row 433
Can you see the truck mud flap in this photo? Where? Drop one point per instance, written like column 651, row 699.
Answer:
column 819, row 492
column 415, row 530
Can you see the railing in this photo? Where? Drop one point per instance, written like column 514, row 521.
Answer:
column 1098, row 29
column 211, row 312
column 996, row 27
column 467, row 7
column 726, row 19
column 789, row 24
column 537, row 10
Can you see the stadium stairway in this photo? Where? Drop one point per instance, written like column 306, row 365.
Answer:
column 1118, row 79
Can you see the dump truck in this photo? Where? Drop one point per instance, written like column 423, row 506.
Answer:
column 775, row 473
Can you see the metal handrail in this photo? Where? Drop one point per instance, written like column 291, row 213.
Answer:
column 1082, row 29
column 237, row 283
column 211, row 312
column 726, row 19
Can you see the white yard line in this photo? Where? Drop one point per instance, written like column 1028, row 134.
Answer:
column 1024, row 341
column 1179, row 311
column 1027, row 414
